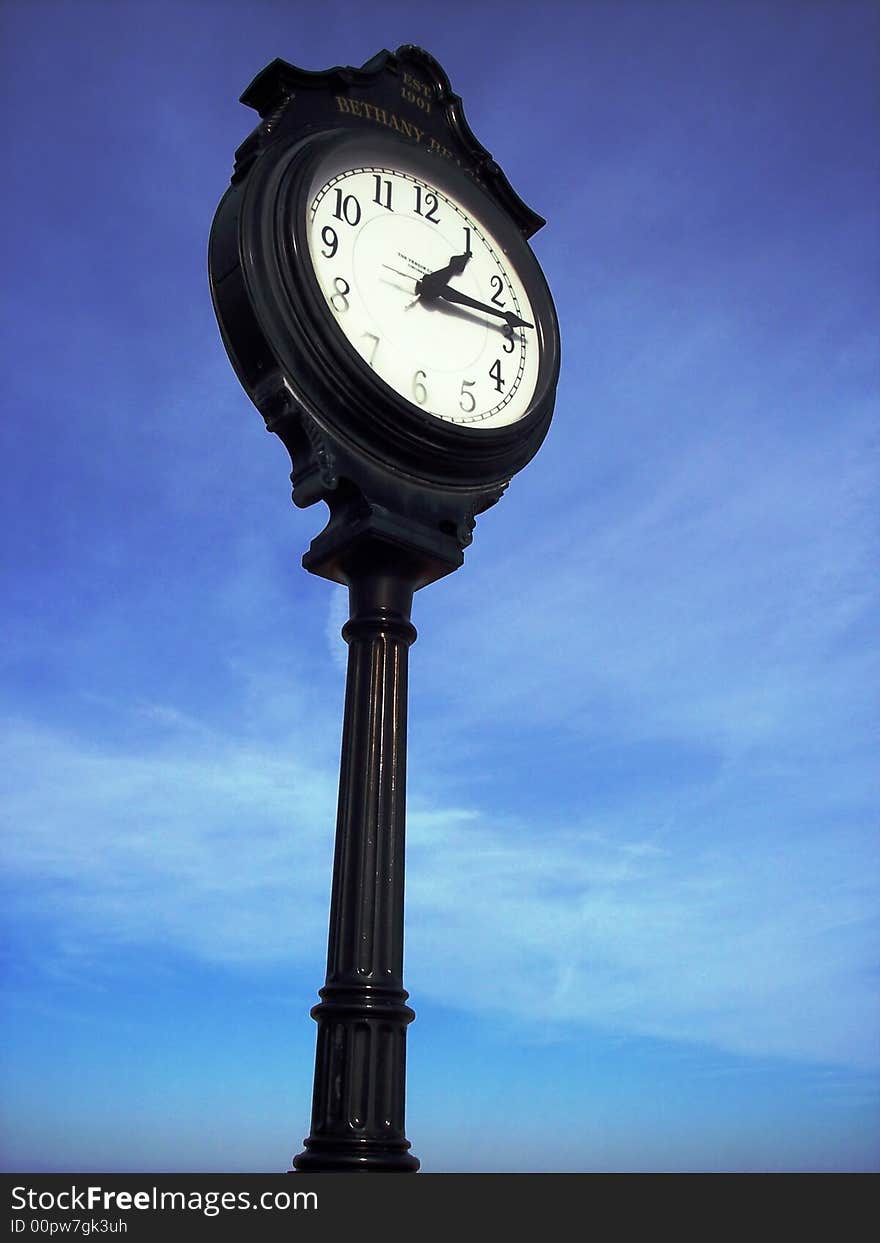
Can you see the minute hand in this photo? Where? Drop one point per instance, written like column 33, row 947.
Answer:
column 448, row 294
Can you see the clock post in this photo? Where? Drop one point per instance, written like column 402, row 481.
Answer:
column 360, row 1064
column 378, row 299
column 360, row 1061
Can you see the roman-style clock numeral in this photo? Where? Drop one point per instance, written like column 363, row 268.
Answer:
column 430, row 205
column 339, row 299
column 418, row 387
column 382, row 192
column 347, row 209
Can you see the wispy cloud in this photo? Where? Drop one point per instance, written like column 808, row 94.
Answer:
column 209, row 847
column 714, row 597
column 758, row 952
column 221, row 851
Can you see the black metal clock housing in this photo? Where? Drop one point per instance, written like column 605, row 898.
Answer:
column 367, row 443
column 376, row 293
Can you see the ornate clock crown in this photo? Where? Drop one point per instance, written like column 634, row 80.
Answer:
column 408, row 85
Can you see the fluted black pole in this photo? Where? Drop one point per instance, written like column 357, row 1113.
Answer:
column 360, row 1063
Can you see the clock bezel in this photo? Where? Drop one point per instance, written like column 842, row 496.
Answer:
column 318, row 362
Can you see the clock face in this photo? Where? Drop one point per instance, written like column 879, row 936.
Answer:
column 423, row 291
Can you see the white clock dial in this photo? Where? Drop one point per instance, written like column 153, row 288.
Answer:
column 425, row 294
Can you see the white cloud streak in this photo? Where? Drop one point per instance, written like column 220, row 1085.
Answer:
column 223, row 851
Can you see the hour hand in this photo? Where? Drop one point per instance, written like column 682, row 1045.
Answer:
column 448, row 294
column 432, row 281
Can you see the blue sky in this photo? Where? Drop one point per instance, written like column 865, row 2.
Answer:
column 642, row 861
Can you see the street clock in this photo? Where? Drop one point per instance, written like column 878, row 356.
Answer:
column 377, row 296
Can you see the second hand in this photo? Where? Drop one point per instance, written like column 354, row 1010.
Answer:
column 409, row 276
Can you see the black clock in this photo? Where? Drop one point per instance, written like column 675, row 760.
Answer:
column 377, row 295
column 379, row 299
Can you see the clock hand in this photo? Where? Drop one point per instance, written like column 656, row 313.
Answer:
column 448, row 294
column 434, row 280
column 409, row 276
column 454, row 267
